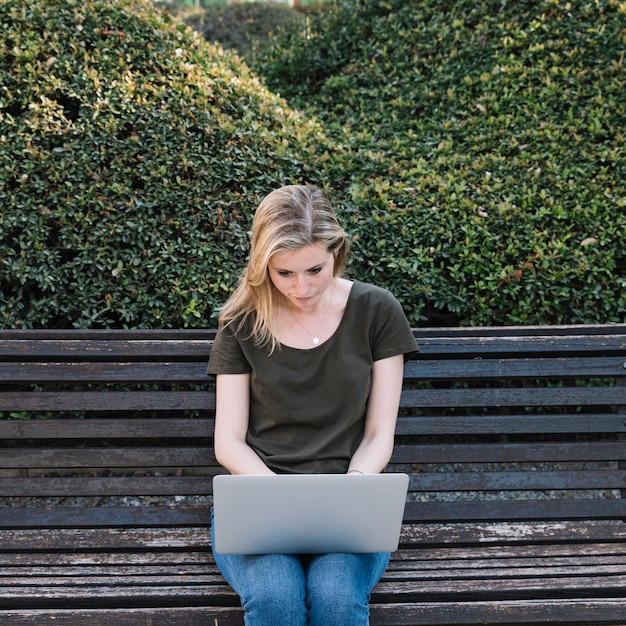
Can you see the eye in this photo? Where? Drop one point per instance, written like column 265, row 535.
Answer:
column 315, row 270
column 283, row 273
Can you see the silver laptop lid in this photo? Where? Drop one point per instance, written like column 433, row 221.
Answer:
column 312, row 513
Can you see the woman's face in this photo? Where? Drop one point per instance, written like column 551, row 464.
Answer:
column 302, row 275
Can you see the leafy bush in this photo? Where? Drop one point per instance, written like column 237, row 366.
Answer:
column 474, row 149
column 478, row 151
column 131, row 157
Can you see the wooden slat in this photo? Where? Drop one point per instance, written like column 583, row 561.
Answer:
column 93, row 348
column 515, row 423
column 544, row 509
column 405, row 562
column 131, row 595
column 67, row 458
column 424, row 425
column 109, row 428
column 120, row 517
column 107, row 401
column 525, row 397
column 467, row 570
column 518, row 481
column 104, row 372
column 495, row 452
column 427, row 591
column 107, row 486
column 485, row 587
column 161, row 370
column 515, row 332
column 95, row 540
column 426, row 482
column 154, row 616
column 484, row 368
column 548, row 535
column 37, row 573
column 580, row 611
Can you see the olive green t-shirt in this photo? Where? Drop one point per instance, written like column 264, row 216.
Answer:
column 307, row 406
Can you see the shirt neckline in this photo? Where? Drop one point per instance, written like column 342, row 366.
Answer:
column 320, row 345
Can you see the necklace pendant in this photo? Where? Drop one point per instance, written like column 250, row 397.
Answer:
column 316, row 340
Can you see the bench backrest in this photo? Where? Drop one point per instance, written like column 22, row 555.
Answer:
column 495, row 423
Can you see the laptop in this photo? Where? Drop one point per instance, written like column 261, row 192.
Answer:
column 308, row 513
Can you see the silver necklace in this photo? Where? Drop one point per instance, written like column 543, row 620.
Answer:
column 316, row 338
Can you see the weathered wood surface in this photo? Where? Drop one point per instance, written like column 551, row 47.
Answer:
column 576, row 611
column 515, row 512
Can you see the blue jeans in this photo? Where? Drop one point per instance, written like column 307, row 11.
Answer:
column 301, row 590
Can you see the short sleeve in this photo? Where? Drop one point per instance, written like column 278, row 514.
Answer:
column 226, row 356
column 391, row 334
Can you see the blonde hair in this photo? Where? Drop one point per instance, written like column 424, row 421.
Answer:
column 288, row 218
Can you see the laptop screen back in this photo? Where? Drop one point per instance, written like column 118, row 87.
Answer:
column 312, row 513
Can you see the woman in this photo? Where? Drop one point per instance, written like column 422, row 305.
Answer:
column 309, row 371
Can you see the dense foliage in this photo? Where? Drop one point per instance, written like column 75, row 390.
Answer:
column 480, row 148
column 474, row 148
column 132, row 155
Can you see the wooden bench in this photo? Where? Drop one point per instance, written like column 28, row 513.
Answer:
column 513, row 437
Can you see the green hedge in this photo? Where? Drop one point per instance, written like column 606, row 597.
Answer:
column 131, row 156
column 474, row 149
column 479, row 148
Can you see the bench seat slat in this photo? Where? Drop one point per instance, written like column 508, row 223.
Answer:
column 201, row 574
column 106, row 428
column 549, row 534
column 129, row 595
column 54, row 572
column 583, row 611
column 432, row 482
column 530, row 397
column 109, row 486
column 427, row 590
column 115, row 517
column 516, row 509
column 567, row 481
column 25, row 560
column 495, row 452
column 107, row 401
column 512, row 424
column 25, row 458
column 94, row 345
column 163, row 616
column 518, row 481
column 404, row 564
column 488, row 586
column 470, row 369
column 204, row 457
column 120, row 590
column 412, row 398
column 580, row 611
column 120, row 372
column 440, row 568
column 189, row 371
column 121, row 428
column 97, row 540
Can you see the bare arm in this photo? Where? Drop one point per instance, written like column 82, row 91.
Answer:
column 375, row 450
column 232, row 412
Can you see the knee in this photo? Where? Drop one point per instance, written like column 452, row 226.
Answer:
column 270, row 605
column 338, row 600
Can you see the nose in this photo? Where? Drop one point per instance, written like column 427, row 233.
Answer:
column 301, row 285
